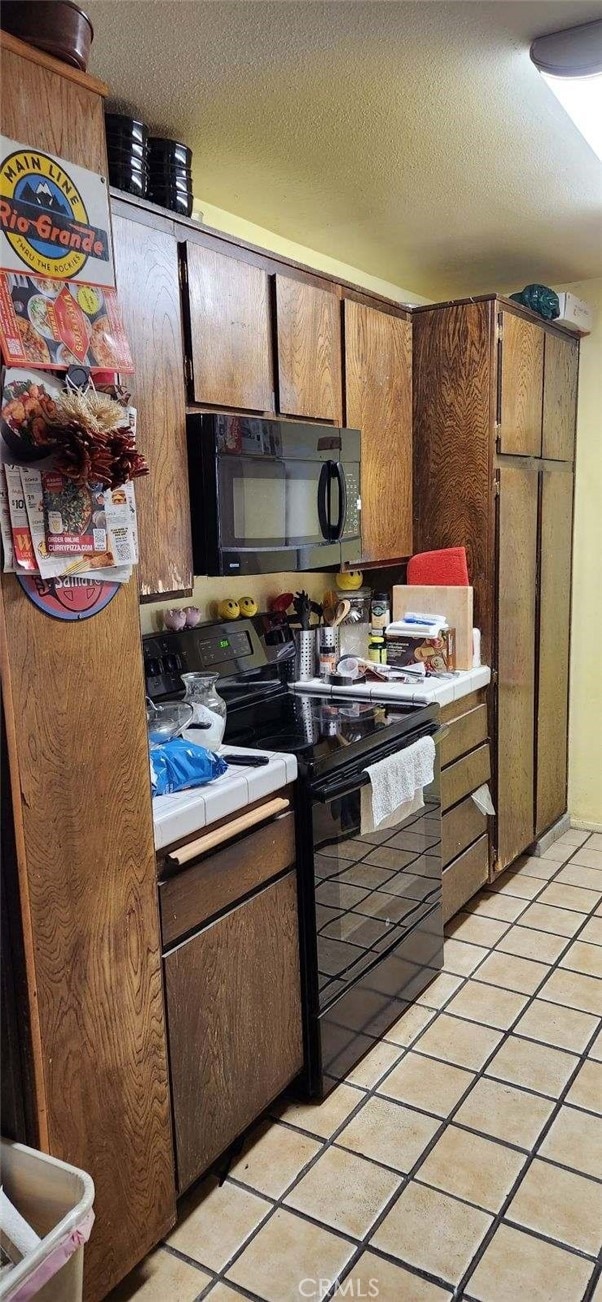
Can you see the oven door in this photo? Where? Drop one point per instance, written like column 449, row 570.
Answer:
column 370, row 890
column 372, row 923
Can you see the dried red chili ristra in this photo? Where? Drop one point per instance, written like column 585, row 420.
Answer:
column 88, row 456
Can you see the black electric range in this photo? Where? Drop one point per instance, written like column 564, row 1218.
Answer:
column 371, row 928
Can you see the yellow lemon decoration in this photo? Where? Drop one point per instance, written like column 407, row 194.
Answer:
column 229, row 609
column 248, row 606
column 349, row 580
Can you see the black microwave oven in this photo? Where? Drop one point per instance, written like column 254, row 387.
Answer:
column 272, row 495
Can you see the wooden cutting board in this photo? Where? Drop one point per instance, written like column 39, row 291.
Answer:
column 454, row 603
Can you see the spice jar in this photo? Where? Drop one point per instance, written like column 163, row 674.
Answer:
column 377, row 651
column 380, row 613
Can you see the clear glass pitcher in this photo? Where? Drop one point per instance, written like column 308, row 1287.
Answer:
column 209, row 717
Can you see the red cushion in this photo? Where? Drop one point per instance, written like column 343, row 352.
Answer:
column 446, row 568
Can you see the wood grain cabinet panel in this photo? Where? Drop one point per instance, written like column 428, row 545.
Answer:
column 230, row 331
column 84, row 835
column 378, row 392
column 214, row 882
column 234, row 1019
column 461, row 826
column 463, row 877
column 521, row 386
column 516, row 660
column 554, row 633
column 465, row 732
column 465, row 775
column 561, row 367
column 453, row 414
column 146, row 264
column 308, row 324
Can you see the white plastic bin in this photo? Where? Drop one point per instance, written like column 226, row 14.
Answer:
column 57, row 1201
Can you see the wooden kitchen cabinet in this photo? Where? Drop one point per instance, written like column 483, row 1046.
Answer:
column 516, row 658
column 520, row 386
column 378, row 397
column 230, row 331
column 234, row 1018
column 308, row 331
column 561, row 368
column 146, row 265
column 554, row 638
column 495, row 404
column 77, row 827
column 465, row 766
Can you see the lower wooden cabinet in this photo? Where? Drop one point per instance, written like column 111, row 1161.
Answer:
column 463, row 877
column 234, row 1023
column 465, row 766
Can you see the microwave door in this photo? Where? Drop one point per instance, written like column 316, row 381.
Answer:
column 273, row 515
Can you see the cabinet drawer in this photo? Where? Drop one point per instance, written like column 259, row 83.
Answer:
column 463, row 734
column 460, row 827
column 220, row 878
column 233, row 997
column 463, row 876
column 459, row 779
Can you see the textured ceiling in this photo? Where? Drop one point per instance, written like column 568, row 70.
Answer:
column 413, row 140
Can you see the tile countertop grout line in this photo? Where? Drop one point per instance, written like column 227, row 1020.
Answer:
column 364, row 1097
column 405, row 1178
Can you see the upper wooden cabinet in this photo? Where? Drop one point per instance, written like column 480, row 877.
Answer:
column 378, row 389
column 561, row 366
column 308, row 328
column 146, row 264
column 521, row 386
column 229, row 331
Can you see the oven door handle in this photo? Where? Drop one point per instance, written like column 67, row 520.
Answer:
column 336, row 790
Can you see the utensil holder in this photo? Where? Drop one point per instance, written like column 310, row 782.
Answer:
column 305, row 642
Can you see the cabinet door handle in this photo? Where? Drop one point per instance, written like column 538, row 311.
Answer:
column 229, row 830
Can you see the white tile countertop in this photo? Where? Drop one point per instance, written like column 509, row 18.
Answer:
column 186, row 812
column 433, row 689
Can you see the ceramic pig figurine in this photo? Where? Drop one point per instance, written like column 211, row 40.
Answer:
column 193, row 616
column 174, row 619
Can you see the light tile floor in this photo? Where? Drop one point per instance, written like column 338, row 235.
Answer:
column 463, row 1156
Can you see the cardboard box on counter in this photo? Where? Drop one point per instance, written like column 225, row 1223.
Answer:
column 435, row 653
column 453, row 602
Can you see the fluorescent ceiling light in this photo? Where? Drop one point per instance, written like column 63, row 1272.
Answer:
column 570, row 62
column 582, row 99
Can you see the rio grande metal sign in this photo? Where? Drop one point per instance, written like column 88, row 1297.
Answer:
column 54, row 217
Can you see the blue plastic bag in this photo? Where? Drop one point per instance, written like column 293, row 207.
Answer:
column 177, row 765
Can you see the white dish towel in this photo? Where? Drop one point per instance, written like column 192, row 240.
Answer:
column 396, row 785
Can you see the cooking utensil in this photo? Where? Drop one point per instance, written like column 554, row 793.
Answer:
column 342, row 610
column 167, row 721
column 280, row 604
column 302, row 607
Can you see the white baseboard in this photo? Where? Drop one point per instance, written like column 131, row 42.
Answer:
column 585, row 825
